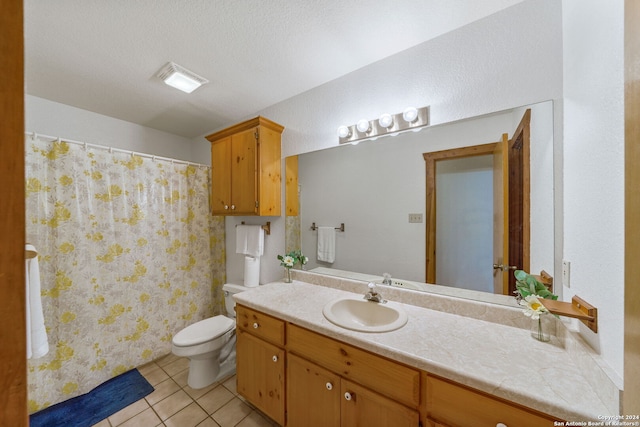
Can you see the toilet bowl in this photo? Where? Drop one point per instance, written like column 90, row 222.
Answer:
column 210, row 344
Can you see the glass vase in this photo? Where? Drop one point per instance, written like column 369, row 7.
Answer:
column 540, row 328
column 287, row 275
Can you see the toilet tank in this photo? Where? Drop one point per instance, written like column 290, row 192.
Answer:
column 230, row 289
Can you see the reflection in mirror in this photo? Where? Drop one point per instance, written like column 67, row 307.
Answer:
column 378, row 190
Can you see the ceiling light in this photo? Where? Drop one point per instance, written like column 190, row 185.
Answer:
column 386, row 120
column 343, row 132
column 410, row 114
column 363, row 125
column 180, row 78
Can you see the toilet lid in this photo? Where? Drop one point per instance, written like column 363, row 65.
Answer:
column 203, row 331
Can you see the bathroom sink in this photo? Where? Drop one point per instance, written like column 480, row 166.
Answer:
column 365, row 316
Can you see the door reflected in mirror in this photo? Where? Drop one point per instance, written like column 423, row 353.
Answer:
column 378, row 189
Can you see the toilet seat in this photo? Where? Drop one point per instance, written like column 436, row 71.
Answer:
column 203, row 331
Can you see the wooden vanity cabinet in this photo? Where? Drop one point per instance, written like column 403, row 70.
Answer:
column 453, row 405
column 246, row 169
column 260, row 361
column 300, row 378
column 348, row 386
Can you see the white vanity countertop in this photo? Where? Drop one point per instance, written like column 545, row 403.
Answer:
column 501, row 360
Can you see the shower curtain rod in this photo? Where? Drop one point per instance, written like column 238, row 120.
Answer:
column 112, row 149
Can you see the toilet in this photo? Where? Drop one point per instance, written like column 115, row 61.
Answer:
column 210, row 344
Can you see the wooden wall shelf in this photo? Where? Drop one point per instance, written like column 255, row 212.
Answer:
column 577, row 308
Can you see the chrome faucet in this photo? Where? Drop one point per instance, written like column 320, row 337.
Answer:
column 373, row 296
column 386, row 279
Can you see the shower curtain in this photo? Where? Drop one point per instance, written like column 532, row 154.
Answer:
column 129, row 255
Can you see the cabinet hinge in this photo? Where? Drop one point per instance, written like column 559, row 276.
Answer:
column 257, row 134
column 256, row 203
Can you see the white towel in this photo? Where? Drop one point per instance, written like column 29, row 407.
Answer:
column 37, row 344
column 326, row 244
column 250, row 240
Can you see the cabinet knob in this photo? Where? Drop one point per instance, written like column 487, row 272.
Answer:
column 349, row 396
column 329, row 386
column 226, row 207
column 275, row 359
column 233, row 207
column 255, row 326
column 501, row 425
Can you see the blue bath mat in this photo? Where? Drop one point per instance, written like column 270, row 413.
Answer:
column 93, row 407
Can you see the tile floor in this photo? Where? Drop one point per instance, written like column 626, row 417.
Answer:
column 175, row 404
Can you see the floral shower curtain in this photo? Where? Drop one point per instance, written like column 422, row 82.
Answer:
column 129, row 255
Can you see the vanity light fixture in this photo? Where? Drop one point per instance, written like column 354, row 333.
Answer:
column 180, row 78
column 387, row 125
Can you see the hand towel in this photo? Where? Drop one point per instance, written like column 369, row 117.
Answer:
column 250, row 240
column 37, row 343
column 326, row 244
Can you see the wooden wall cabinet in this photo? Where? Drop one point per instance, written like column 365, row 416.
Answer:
column 246, row 169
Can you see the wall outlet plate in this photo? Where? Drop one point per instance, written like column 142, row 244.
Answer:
column 415, row 218
column 566, row 273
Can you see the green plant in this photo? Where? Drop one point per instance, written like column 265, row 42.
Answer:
column 527, row 284
column 292, row 258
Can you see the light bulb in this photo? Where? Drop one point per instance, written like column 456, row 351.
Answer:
column 386, row 120
column 363, row 125
column 410, row 114
column 355, row 142
column 343, row 132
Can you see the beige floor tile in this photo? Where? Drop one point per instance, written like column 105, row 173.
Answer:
column 230, row 384
column 256, row 419
column 147, row 367
column 162, row 390
column 146, row 418
column 166, row 359
column 215, row 399
column 176, row 366
column 209, row 423
column 155, row 376
column 172, row 404
column 103, row 423
column 197, row 393
column 128, row 412
column 190, row 416
column 181, row 378
column 231, row 413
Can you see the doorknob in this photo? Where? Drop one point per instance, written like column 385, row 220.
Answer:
column 504, row 267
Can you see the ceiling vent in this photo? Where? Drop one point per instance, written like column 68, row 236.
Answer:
column 180, row 78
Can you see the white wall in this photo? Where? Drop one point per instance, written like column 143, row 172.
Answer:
column 594, row 166
column 54, row 119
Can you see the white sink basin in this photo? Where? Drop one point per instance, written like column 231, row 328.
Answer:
column 365, row 316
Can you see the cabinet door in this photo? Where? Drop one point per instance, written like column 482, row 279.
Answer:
column 363, row 407
column 260, row 374
column 244, row 173
column 458, row 406
column 221, row 177
column 313, row 395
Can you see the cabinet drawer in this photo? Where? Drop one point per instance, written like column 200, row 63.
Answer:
column 382, row 375
column 457, row 406
column 259, row 324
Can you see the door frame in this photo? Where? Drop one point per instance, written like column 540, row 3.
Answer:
column 519, row 187
column 430, row 224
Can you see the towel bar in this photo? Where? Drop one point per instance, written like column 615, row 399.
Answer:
column 341, row 228
column 266, row 227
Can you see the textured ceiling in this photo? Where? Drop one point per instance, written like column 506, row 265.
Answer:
column 103, row 55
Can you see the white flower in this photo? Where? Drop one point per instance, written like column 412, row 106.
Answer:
column 288, row 261
column 533, row 307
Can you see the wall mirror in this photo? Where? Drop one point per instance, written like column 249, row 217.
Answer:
column 378, row 189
